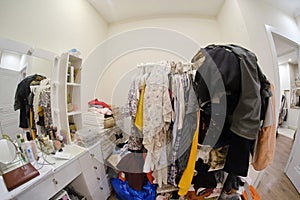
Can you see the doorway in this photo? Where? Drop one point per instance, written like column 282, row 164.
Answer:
column 289, row 78
column 286, row 65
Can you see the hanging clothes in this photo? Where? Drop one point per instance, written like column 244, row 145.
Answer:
column 156, row 115
column 188, row 173
column 135, row 137
column 244, row 94
column 45, row 103
column 42, row 104
column 231, row 94
column 173, row 166
column 157, row 107
column 283, row 110
column 32, row 125
column 21, row 99
column 183, row 135
column 159, row 157
column 168, row 105
column 189, row 126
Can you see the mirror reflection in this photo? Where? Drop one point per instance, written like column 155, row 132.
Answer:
column 289, row 76
column 14, row 68
column 8, row 151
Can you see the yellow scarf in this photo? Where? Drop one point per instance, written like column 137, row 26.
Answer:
column 187, row 176
column 139, row 112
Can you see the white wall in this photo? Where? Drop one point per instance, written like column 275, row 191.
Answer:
column 112, row 84
column 106, row 67
column 292, row 118
column 203, row 30
column 284, row 71
column 298, row 20
column 53, row 25
column 231, row 24
column 256, row 14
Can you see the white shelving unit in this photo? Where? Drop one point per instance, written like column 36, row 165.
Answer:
column 66, row 88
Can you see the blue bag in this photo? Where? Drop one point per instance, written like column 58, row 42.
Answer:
column 124, row 192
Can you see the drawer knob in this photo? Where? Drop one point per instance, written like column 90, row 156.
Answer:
column 55, row 181
column 95, row 167
column 101, row 188
column 98, row 178
column 92, row 155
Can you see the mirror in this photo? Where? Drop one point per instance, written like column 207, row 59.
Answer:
column 17, row 61
column 289, row 76
column 8, row 151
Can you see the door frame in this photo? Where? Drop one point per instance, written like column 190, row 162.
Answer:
column 270, row 31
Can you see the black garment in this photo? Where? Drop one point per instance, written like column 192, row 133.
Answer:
column 237, row 160
column 207, row 79
column 21, row 100
column 203, row 177
column 23, row 90
column 217, row 85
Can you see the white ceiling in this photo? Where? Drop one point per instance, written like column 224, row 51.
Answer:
column 120, row 10
column 287, row 51
column 291, row 7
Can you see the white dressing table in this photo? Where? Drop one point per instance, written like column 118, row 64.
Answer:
column 53, row 178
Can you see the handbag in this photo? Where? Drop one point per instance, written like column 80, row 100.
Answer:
column 264, row 149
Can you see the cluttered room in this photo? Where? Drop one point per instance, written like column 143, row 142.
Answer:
column 145, row 104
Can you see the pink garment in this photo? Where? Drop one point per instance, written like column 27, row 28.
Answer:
column 104, row 111
column 97, row 102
